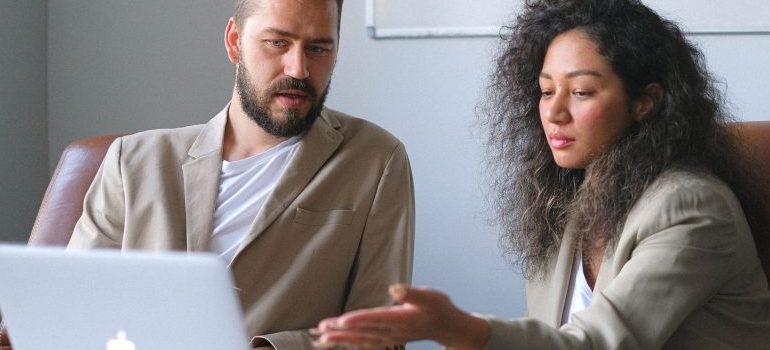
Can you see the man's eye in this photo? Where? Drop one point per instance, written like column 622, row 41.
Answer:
column 276, row 43
column 318, row 50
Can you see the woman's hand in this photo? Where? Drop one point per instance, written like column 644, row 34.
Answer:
column 421, row 314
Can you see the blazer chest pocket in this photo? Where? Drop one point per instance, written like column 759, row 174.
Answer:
column 329, row 217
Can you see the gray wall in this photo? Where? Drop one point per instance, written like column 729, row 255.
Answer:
column 739, row 62
column 124, row 66
column 23, row 115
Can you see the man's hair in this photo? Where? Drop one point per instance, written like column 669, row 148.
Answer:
column 535, row 198
column 244, row 8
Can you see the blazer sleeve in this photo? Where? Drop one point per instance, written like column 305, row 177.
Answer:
column 682, row 250
column 101, row 224
column 385, row 252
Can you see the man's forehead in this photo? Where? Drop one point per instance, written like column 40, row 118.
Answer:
column 254, row 5
column 309, row 17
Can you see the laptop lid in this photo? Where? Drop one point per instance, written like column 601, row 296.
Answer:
column 107, row 300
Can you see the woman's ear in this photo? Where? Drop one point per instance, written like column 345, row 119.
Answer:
column 648, row 102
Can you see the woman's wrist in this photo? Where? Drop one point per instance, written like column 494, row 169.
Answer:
column 467, row 333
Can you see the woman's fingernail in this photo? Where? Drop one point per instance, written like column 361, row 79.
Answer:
column 397, row 291
column 321, row 345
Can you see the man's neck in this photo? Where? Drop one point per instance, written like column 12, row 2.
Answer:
column 243, row 137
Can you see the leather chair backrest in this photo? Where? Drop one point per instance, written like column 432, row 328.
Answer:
column 754, row 152
column 63, row 200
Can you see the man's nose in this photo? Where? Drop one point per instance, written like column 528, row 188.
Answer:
column 295, row 64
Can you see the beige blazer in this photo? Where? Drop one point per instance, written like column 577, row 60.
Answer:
column 337, row 229
column 684, row 275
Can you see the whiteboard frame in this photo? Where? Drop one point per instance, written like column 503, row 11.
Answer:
column 493, row 31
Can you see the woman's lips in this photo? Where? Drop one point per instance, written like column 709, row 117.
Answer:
column 559, row 141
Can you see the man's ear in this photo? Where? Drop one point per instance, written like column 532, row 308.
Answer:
column 648, row 102
column 232, row 41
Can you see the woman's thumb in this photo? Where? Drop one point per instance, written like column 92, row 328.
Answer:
column 403, row 293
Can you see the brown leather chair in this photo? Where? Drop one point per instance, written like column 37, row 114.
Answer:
column 63, row 200
column 754, row 152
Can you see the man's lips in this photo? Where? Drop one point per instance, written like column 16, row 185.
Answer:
column 292, row 98
column 293, row 92
column 560, row 141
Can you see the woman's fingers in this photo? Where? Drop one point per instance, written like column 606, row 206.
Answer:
column 423, row 296
column 325, row 325
column 370, row 328
column 351, row 319
column 374, row 329
column 365, row 336
column 386, row 315
column 421, row 313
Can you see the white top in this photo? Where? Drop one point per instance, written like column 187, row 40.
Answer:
column 244, row 186
column 580, row 293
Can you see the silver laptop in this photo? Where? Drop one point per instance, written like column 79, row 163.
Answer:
column 107, row 300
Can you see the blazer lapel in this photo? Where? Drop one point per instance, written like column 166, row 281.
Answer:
column 315, row 148
column 546, row 299
column 562, row 275
column 201, row 182
column 606, row 272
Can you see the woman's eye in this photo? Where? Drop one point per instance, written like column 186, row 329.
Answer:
column 582, row 93
column 546, row 93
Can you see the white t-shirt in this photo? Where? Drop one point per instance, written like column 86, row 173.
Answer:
column 580, row 293
column 243, row 187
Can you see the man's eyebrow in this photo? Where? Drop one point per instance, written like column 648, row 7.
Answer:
column 291, row 35
column 576, row 73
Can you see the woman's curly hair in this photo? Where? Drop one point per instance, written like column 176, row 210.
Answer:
column 534, row 197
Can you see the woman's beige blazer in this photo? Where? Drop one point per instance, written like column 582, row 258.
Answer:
column 684, row 275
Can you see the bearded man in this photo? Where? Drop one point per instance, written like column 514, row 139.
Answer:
column 312, row 209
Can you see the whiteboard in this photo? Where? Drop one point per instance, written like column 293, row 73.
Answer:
column 462, row 18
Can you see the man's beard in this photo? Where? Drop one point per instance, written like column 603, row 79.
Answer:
column 256, row 105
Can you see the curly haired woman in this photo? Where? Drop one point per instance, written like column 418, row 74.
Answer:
column 618, row 194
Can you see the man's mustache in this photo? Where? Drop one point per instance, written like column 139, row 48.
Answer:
column 293, row 84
